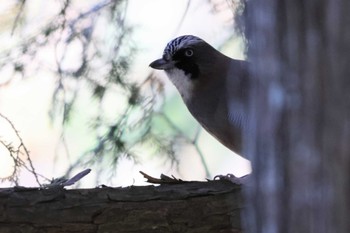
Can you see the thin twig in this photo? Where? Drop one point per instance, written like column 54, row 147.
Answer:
column 24, row 148
column 193, row 141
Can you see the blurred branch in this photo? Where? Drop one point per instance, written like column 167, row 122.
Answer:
column 20, row 12
column 183, row 16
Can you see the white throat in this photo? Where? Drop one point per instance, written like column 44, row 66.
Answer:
column 182, row 82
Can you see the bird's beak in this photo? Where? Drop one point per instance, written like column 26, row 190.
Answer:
column 162, row 64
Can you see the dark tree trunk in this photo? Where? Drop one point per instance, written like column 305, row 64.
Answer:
column 188, row 207
column 299, row 138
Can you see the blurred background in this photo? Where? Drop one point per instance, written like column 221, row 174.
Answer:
column 76, row 91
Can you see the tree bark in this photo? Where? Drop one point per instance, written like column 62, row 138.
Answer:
column 212, row 206
column 299, row 137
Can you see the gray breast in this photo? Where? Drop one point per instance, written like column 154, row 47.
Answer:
column 212, row 113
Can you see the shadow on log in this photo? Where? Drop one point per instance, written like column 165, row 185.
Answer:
column 212, row 206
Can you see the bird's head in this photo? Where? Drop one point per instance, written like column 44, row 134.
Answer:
column 188, row 60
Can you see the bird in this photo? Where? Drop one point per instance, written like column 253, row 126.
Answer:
column 213, row 86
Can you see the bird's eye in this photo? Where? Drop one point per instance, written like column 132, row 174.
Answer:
column 188, row 52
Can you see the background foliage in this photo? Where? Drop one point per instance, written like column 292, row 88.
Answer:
column 126, row 116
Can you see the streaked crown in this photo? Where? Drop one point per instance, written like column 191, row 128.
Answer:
column 178, row 43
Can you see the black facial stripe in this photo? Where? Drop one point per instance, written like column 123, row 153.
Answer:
column 189, row 68
column 185, row 63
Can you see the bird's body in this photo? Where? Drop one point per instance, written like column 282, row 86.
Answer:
column 212, row 85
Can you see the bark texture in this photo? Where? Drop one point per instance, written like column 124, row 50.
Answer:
column 188, row 207
column 299, row 137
